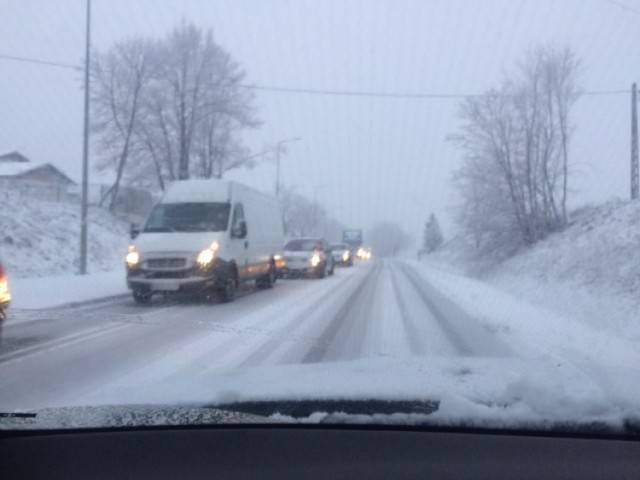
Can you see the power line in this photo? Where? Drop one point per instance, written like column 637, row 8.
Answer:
column 40, row 62
column 355, row 93
column 328, row 92
column 622, row 5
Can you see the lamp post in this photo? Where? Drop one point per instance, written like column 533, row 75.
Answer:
column 280, row 143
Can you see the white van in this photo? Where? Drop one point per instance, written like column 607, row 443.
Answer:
column 206, row 236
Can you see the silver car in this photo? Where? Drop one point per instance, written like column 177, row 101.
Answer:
column 310, row 257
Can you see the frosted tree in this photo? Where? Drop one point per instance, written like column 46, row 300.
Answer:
column 120, row 78
column 515, row 139
column 432, row 234
column 171, row 109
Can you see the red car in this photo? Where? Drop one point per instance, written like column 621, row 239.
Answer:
column 5, row 296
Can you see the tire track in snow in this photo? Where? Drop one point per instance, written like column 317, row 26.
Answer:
column 264, row 329
column 357, row 300
column 454, row 321
column 411, row 329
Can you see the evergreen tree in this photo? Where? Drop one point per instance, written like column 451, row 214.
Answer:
column 432, row 234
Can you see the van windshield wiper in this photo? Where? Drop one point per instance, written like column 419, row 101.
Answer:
column 159, row 229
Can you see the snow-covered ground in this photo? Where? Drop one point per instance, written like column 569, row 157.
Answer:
column 41, row 239
column 393, row 330
column 58, row 290
column 548, row 335
column 589, row 273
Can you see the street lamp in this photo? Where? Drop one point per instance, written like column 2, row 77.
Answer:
column 280, row 143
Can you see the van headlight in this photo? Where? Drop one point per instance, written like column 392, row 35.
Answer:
column 206, row 256
column 133, row 257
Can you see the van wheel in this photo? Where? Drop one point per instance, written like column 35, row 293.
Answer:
column 227, row 293
column 267, row 280
column 141, row 298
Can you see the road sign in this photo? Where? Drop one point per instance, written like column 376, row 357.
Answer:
column 352, row 237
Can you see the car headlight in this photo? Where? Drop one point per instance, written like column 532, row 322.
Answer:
column 315, row 260
column 206, row 256
column 133, row 257
column 345, row 256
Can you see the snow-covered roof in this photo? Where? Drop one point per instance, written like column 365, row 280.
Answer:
column 13, row 157
column 14, row 169
column 197, row 190
column 11, row 169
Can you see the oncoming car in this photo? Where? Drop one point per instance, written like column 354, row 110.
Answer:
column 308, row 257
column 5, row 296
column 342, row 255
column 364, row 253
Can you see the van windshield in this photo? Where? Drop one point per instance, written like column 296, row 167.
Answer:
column 189, row 217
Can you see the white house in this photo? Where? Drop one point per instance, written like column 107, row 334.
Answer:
column 39, row 180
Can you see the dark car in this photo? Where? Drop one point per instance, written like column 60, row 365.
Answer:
column 308, row 257
column 342, row 254
column 5, row 296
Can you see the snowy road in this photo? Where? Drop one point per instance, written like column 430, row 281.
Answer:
column 381, row 309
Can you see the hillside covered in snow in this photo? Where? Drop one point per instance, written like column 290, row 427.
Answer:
column 590, row 271
column 40, row 238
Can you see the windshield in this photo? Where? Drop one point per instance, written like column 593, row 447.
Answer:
column 188, row 217
column 303, row 245
column 472, row 164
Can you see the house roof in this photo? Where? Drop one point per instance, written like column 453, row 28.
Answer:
column 12, row 157
column 18, row 169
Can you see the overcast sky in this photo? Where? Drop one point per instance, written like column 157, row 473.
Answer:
column 365, row 158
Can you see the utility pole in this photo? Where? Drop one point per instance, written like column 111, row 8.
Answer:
column 85, row 150
column 634, row 143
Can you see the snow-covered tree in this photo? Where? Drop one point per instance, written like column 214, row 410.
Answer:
column 171, row 109
column 514, row 177
column 432, row 234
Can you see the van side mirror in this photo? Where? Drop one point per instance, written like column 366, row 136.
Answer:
column 134, row 231
column 239, row 230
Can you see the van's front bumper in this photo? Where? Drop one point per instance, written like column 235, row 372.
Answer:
column 192, row 279
column 183, row 285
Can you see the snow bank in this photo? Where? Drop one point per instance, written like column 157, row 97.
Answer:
column 590, row 272
column 40, row 238
column 54, row 291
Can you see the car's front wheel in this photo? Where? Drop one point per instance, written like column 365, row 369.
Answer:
column 227, row 292
column 268, row 279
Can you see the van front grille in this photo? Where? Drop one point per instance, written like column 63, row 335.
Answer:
column 167, row 263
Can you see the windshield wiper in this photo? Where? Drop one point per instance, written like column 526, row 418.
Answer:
column 159, row 229
column 305, row 408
